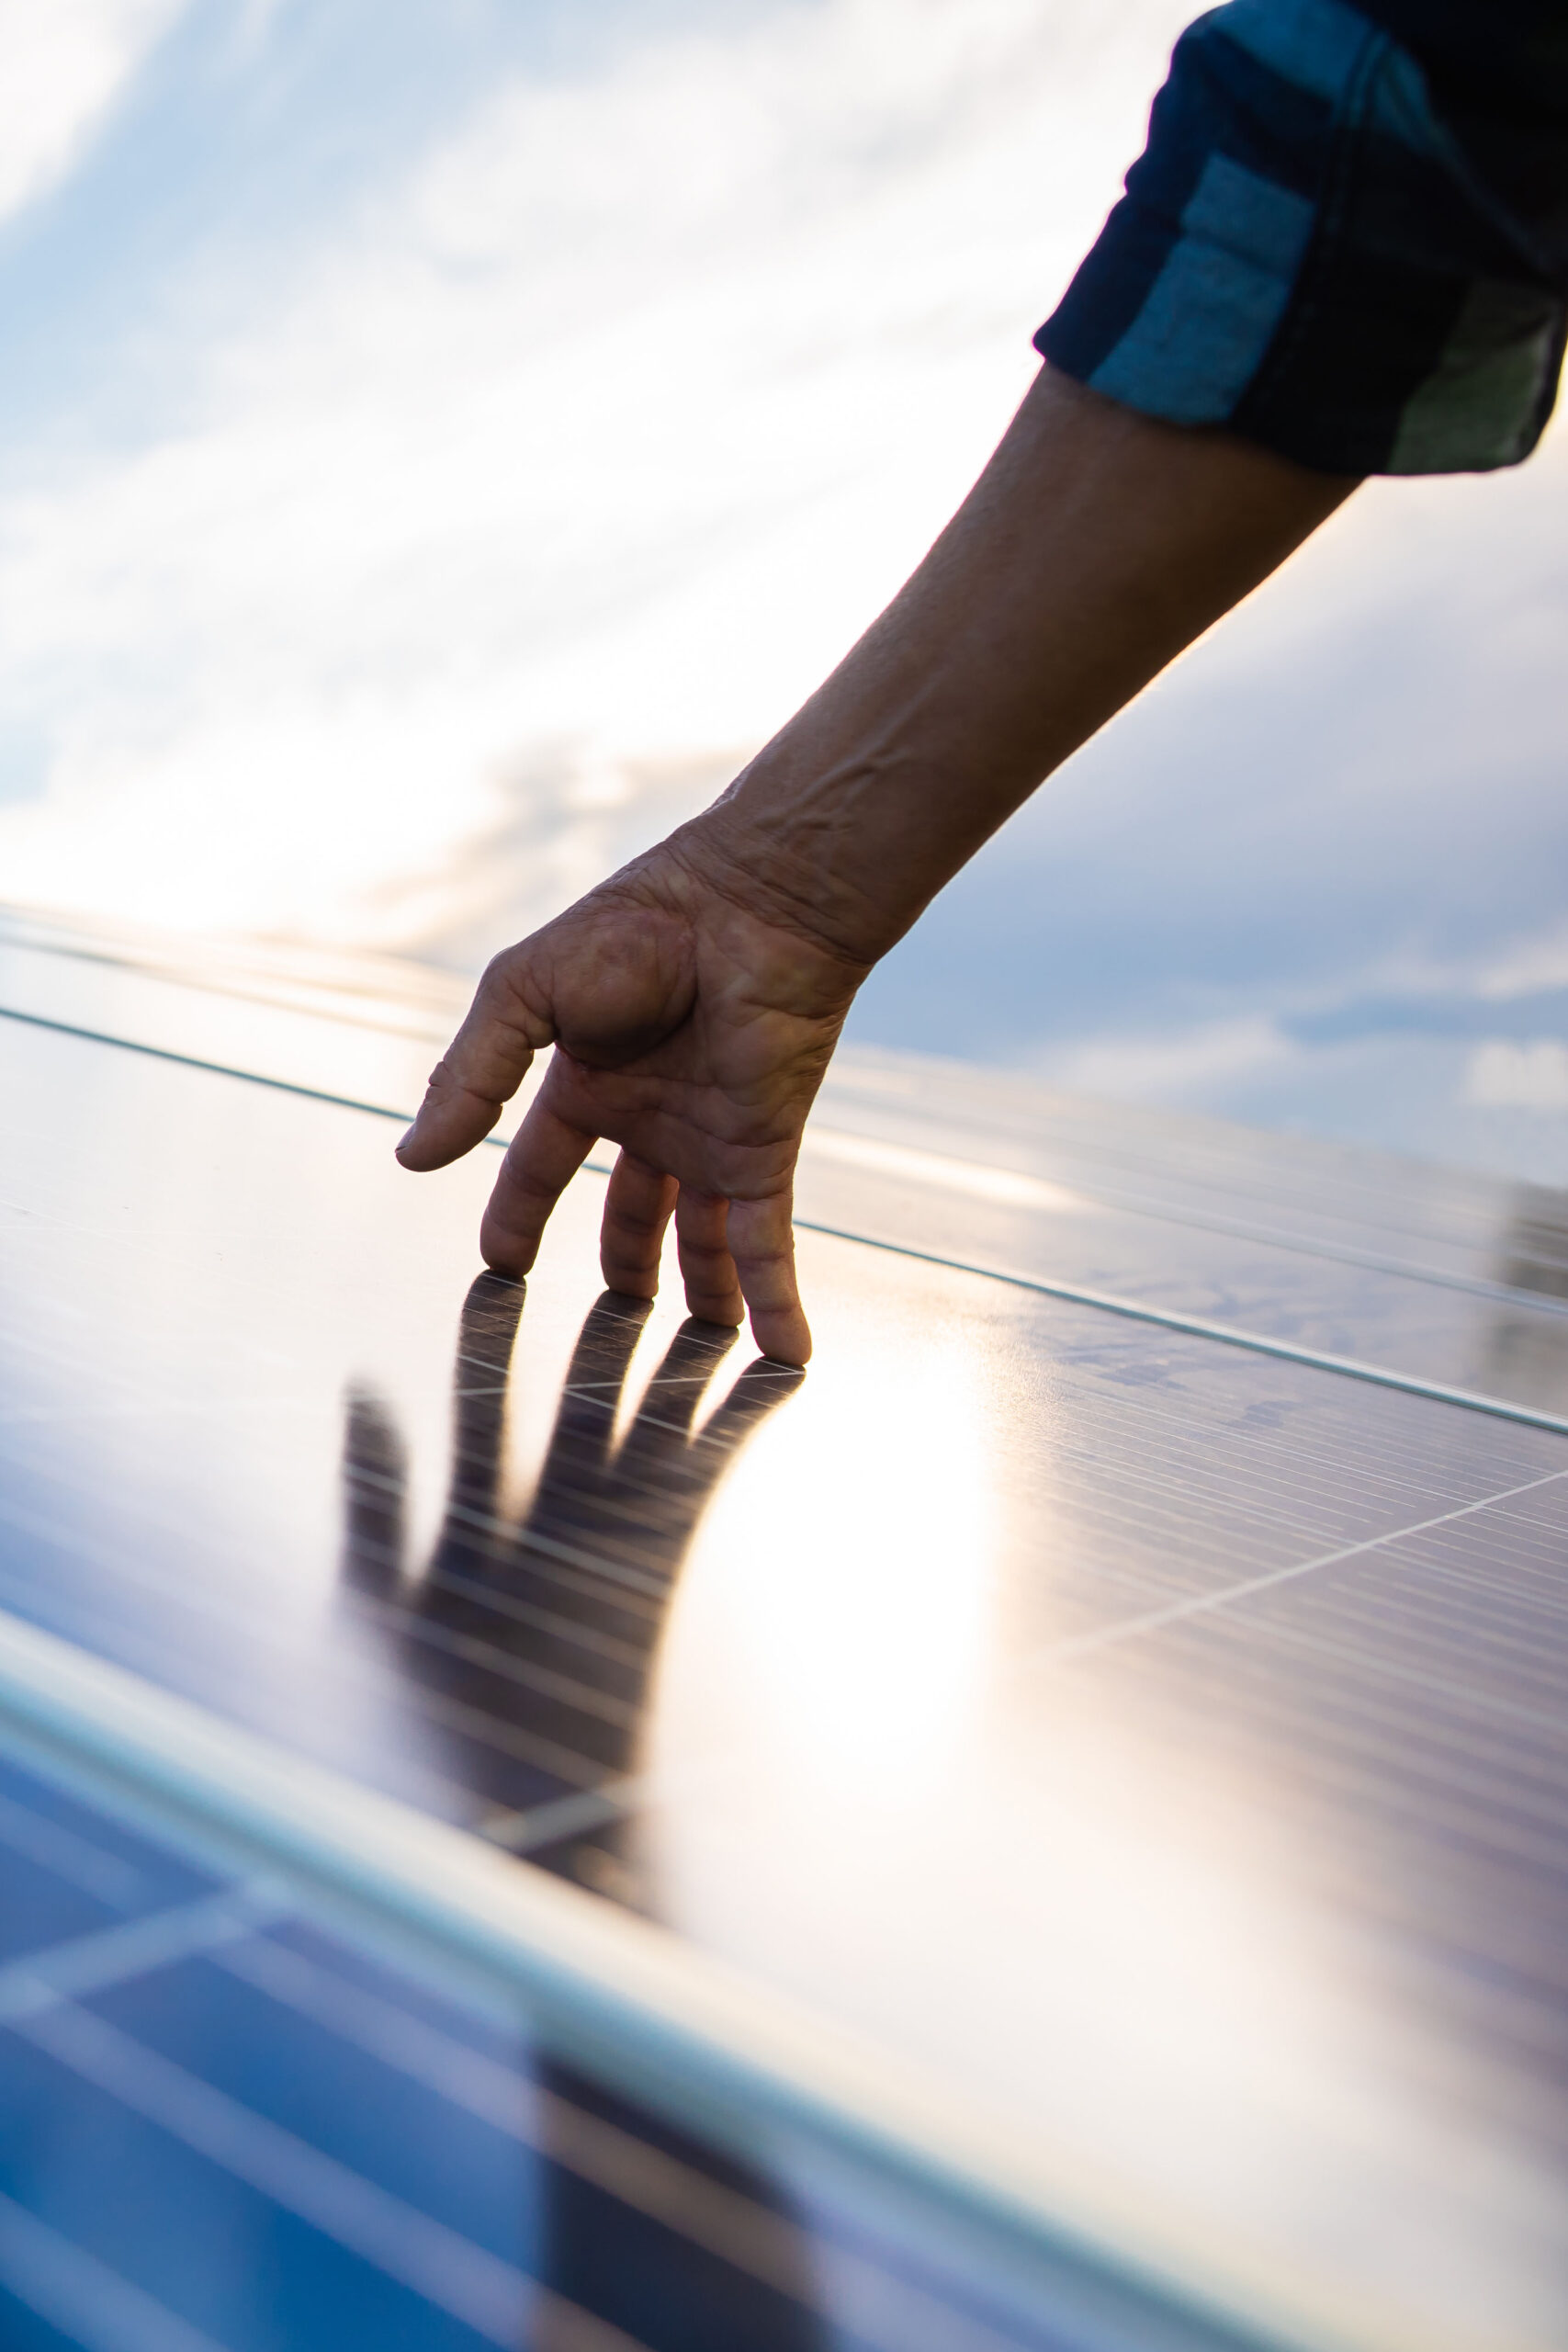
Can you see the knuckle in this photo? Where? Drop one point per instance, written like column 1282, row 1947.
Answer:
column 500, row 975
column 505, row 1000
column 768, row 1257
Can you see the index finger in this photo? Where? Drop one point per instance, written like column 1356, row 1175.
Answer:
column 541, row 1160
column 479, row 1073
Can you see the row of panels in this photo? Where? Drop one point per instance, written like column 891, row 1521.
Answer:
column 1158, row 1741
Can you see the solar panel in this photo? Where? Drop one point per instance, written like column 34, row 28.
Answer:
column 1153, row 1742
column 225, row 2127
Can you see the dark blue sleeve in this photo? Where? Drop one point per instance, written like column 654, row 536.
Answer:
column 1347, row 238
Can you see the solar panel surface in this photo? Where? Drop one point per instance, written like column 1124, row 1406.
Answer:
column 222, row 2126
column 1160, row 1741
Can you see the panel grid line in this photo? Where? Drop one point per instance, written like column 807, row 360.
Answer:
column 1104, row 1301
column 487, row 2294
column 1199, row 1604
column 1197, row 1326
column 73, row 2291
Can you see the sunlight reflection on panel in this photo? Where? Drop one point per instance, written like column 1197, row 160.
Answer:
column 1116, row 1937
column 192, row 1329
column 861, row 1650
column 1008, row 1186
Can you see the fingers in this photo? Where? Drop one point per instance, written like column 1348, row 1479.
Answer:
column 713, row 1287
column 375, row 1478
column 631, row 1240
column 541, row 1160
column 656, row 1454
column 481, row 1070
column 581, row 1443
column 761, row 1243
column 735, row 1255
column 486, row 1333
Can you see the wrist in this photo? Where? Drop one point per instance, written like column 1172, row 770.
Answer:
column 790, row 865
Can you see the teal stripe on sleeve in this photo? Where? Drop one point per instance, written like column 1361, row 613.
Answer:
column 1211, row 313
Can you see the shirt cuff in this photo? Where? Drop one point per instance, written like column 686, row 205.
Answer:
column 1309, row 255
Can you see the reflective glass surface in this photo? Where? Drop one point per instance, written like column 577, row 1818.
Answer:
column 1440, row 1275
column 1161, row 1742
column 219, row 2126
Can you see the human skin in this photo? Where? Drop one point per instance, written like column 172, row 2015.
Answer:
column 695, row 999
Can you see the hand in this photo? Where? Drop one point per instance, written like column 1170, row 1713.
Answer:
column 694, row 1000
column 691, row 1021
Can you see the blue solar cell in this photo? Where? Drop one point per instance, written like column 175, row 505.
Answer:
column 178, row 2227
column 25, row 2329
column 41, row 1909
column 355, row 1972
column 218, row 2135
column 384, row 2126
column 84, row 1847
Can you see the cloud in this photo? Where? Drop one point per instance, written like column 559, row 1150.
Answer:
column 1342, row 814
column 66, row 62
column 1530, row 966
column 1526, row 1077
column 1176, row 1066
column 488, row 516
column 587, row 449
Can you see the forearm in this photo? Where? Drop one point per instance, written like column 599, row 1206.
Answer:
column 696, row 997
column 1096, row 544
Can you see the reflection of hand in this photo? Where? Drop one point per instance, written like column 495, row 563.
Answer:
column 691, row 1027
column 538, row 1630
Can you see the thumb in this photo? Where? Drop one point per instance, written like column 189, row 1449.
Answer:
column 481, row 1068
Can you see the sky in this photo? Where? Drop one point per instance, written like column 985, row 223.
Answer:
column 440, row 440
